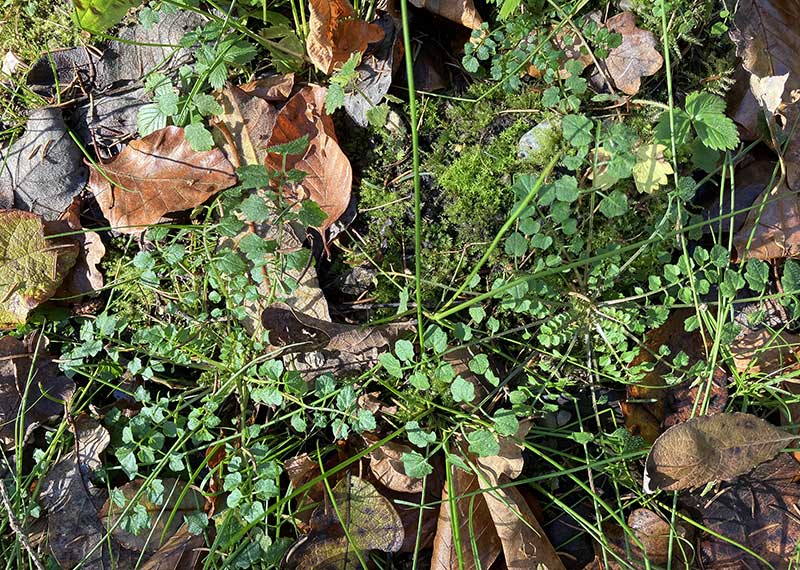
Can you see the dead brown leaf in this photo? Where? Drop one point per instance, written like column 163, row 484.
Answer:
column 46, row 391
column 75, row 533
column 711, row 448
column 387, row 466
column 157, row 175
column 652, row 404
column 335, row 32
column 329, row 176
column 321, row 346
column 245, row 125
column 635, row 57
column 85, row 278
column 166, row 516
column 654, row 535
column 371, row 521
column 459, row 11
column 274, row 88
column 180, row 552
column 756, row 511
column 775, row 228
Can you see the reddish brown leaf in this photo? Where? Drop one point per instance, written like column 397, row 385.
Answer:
column 329, row 177
column 335, row 32
column 85, row 277
column 460, row 11
column 635, row 57
column 157, row 175
column 775, row 229
column 180, row 552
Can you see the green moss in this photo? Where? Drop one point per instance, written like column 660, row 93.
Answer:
column 32, row 27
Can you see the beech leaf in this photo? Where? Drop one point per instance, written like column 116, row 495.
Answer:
column 460, row 11
column 335, row 32
column 711, row 448
column 157, row 175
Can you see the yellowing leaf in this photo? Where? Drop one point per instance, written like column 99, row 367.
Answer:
column 711, row 448
column 32, row 266
column 651, row 168
column 99, row 15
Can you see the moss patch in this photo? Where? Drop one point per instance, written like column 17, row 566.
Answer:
column 35, row 26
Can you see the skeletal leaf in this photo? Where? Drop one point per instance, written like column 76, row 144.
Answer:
column 711, row 448
column 32, row 266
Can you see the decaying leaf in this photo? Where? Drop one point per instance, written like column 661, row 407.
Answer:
column 180, row 552
column 32, row 266
column 711, row 448
column 460, row 11
column 371, row 522
column 656, row 538
column 31, row 391
column 85, row 277
column 474, row 522
column 387, row 466
column 44, row 168
column 652, row 169
column 756, row 511
column 656, row 405
column 273, row 88
column 328, row 173
column 68, row 496
column 771, row 231
column 165, row 515
column 245, row 124
column 761, row 351
column 321, row 346
column 335, row 32
column 157, row 175
column 635, row 57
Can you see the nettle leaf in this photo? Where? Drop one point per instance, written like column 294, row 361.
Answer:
column 99, row 15
column 150, row 119
column 715, row 129
column 311, row 214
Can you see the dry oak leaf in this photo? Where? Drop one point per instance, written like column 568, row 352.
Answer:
column 157, row 175
column 635, row 57
column 335, row 32
column 329, row 177
column 711, row 448
column 460, row 11
column 32, row 265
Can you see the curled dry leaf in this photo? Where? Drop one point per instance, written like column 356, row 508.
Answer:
column 166, row 516
column 45, row 390
column 273, row 88
column 635, row 57
column 460, row 11
column 32, row 265
column 711, row 448
column 328, row 173
column 157, row 175
column 371, row 522
column 75, row 533
column 335, row 32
